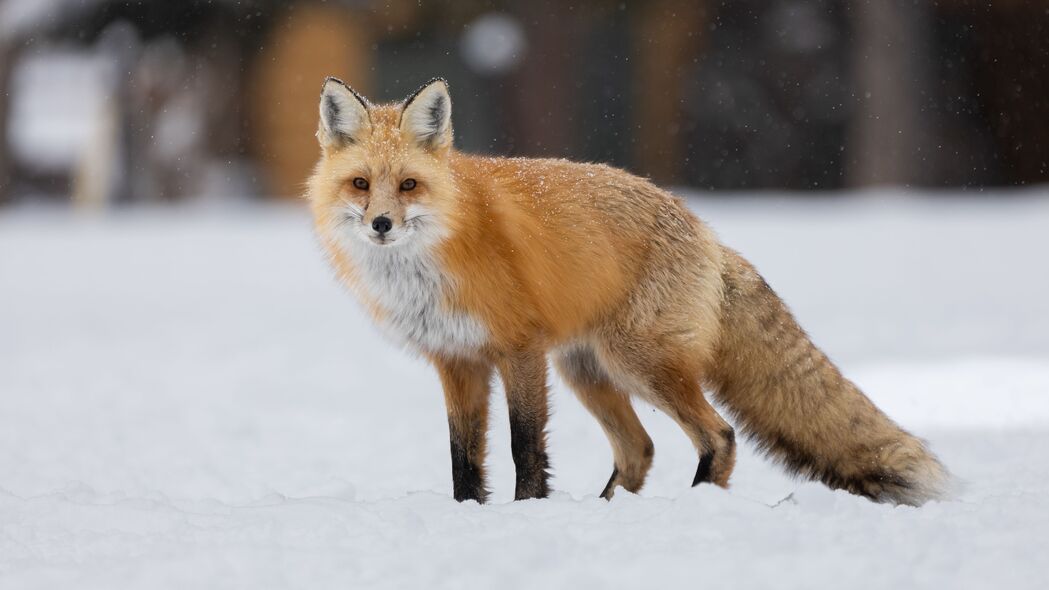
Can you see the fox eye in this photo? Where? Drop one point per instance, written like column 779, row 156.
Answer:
column 408, row 184
column 360, row 183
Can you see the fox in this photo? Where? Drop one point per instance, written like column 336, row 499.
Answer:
column 501, row 266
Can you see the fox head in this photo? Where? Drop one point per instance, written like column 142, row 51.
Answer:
column 382, row 167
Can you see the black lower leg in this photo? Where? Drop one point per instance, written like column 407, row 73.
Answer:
column 528, row 445
column 611, row 485
column 703, row 471
column 467, row 464
column 706, row 460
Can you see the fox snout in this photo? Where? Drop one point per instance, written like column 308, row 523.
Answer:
column 382, row 219
column 392, row 223
column 381, row 225
column 383, row 229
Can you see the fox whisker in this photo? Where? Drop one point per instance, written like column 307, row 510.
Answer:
column 346, row 218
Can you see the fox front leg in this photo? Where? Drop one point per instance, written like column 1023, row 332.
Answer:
column 524, row 378
column 466, row 390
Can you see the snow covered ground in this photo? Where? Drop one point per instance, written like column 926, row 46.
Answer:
column 187, row 399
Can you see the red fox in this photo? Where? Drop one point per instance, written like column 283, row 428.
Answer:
column 488, row 265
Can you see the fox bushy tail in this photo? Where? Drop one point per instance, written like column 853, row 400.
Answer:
column 789, row 397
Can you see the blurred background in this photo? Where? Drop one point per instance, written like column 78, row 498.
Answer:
column 105, row 102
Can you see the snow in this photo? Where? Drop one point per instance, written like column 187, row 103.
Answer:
column 188, row 399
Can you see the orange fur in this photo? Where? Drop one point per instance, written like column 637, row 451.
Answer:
column 631, row 293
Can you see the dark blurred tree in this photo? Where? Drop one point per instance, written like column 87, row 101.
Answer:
column 766, row 105
column 950, row 93
column 1012, row 72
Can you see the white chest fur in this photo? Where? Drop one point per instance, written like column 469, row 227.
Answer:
column 410, row 287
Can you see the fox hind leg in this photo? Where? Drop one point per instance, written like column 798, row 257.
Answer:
column 632, row 448
column 670, row 381
column 679, row 395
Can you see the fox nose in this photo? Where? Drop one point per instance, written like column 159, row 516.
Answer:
column 382, row 224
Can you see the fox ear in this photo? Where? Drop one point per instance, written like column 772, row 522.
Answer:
column 427, row 115
column 344, row 114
